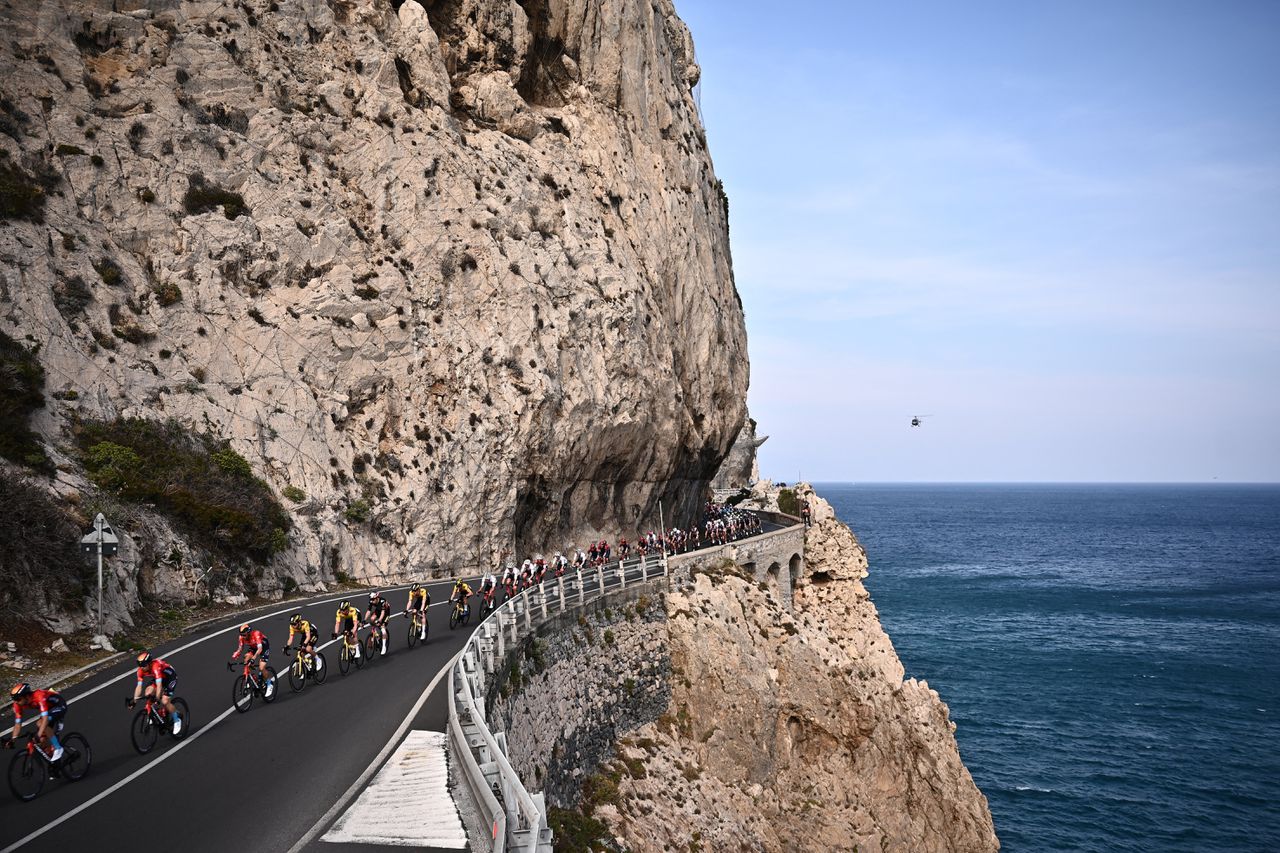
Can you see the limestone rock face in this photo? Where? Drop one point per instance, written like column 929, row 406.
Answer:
column 796, row 732
column 741, row 467
column 466, row 260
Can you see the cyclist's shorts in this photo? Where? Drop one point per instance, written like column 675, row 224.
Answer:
column 348, row 624
column 266, row 649
column 170, row 685
column 311, row 639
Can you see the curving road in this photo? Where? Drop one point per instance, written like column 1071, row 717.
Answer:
column 275, row 778
column 262, row 780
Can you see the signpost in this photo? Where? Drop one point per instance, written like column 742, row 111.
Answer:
column 103, row 542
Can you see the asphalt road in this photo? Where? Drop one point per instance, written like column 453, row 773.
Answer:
column 258, row 781
column 267, row 779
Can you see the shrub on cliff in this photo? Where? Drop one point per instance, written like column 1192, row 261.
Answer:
column 21, row 196
column 577, row 833
column 202, row 197
column 788, row 503
column 40, row 560
column 21, row 393
column 196, row 480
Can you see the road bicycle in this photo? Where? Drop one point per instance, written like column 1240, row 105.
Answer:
column 306, row 667
column 418, row 628
column 373, row 643
column 459, row 614
column 488, row 602
column 250, row 683
column 347, row 654
column 32, row 766
column 152, row 720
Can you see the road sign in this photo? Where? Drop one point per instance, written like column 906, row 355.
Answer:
column 102, row 542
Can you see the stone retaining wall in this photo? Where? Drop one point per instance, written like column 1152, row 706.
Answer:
column 566, row 693
column 775, row 559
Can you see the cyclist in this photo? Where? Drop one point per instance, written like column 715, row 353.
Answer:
column 509, row 580
column 419, row 601
column 560, row 563
column 377, row 615
column 308, row 636
column 52, row 708
column 164, row 680
column 348, row 621
column 488, row 591
column 256, row 646
column 461, row 593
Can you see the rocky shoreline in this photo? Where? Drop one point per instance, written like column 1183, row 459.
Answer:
column 793, row 730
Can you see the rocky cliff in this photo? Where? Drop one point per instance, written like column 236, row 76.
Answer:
column 453, row 276
column 794, row 730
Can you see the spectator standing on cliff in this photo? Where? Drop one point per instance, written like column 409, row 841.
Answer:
column 804, row 512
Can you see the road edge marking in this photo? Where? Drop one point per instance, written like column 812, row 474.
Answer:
column 377, row 762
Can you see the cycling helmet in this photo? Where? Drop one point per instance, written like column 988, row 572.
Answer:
column 20, row 691
column 295, row 620
column 345, row 605
column 416, row 586
column 144, row 658
column 244, row 629
column 373, row 596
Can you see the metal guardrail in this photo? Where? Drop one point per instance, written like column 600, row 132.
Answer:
column 518, row 818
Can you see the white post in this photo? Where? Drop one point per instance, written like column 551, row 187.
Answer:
column 560, row 584
column 644, row 571
column 663, row 543
column 622, row 575
column 582, row 588
column 600, row 576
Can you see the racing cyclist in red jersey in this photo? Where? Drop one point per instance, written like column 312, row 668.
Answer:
column 256, row 646
column 164, row 680
column 51, row 707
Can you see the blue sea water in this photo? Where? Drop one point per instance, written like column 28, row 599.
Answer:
column 1110, row 653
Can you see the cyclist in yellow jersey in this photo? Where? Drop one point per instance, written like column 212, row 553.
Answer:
column 348, row 621
column 307, row 633
column 419, row 600
column 462, row 592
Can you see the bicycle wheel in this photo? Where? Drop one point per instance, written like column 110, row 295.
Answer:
column 453, row 618
column 297, row 674
column 319, row 669
column 413, row 633
column 360, row 657
column 269, row 689
column 143, row 732
column 466, row 617
column 344, row 658
column 242, row 694
column 76, row 756
column 27, row 773
column 370, row 648
column 182, row 727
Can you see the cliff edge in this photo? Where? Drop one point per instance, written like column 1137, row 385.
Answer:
column 451, row 277
column 794, row 731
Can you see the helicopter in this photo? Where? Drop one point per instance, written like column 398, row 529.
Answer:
column 915, row 419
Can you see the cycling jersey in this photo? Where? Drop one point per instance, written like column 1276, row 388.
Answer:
column 49, row 703
column 255, row 641
column 305, row 630
column 349, row 618
column 461, row 589
column 161, row 672
column 418, row 599
column 380, row 612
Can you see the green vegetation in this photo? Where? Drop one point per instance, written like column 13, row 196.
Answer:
column 294, row 494
column 598, row 789
column 788, row 503
column 167, row 294
column 109, row 271
column 40, row 562
column 71, row 296
column 577, row 833
column 21, row 196
column 202, row 197
column 65, row 150
column 194, row 479
column 21, row 393
column 357, row 511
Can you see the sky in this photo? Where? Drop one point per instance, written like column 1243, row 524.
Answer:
column 1052, row 228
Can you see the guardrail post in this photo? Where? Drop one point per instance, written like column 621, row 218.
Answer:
column 542, row 596
column 528, row 620
column 644, row 571
column 501, row 650
column 560, row 586
column 600, row 576
column 582, row 588
column 622, row 575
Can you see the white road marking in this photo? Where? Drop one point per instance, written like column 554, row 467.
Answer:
column 212, row 723
column 408, row 803
column 342, row 801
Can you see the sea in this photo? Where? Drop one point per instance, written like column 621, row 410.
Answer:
column 1110, row 653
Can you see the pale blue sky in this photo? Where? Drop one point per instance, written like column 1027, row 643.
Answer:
column 1053, row 227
